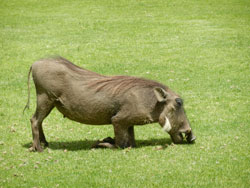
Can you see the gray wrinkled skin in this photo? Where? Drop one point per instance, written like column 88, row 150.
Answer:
column 94, row 99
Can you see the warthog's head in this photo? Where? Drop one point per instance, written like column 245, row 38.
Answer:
column 173, row 118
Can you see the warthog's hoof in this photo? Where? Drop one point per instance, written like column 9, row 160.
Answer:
column 109, row 140
column 44, row 144
column 33, row 149
column 105, row 143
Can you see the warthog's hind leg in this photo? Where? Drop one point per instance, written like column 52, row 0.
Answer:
column 44, row 107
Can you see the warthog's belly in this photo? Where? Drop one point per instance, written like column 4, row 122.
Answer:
column 85, row 114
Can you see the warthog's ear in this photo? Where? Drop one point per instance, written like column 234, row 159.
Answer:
column 160, row 94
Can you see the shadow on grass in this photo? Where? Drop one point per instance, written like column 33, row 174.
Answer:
column 152, row 142
column 87, row 144
column 70, row 146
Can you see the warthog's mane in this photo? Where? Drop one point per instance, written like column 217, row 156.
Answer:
column 119, row 84
column 112, row 84
column 74, row 67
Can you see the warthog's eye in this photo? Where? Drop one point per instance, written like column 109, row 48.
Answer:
column 179, row 101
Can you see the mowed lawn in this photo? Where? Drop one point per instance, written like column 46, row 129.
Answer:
column 200, row 49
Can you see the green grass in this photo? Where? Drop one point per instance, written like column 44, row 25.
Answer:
column 200, row 49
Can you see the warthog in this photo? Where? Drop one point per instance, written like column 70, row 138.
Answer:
column 91, row 98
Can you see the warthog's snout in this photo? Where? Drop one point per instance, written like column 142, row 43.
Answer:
column 190, row 137
column 178, row 138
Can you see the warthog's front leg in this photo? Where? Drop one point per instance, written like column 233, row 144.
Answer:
column 110, row 142
column 131, row 136
column 124, row 136
column 105, row 143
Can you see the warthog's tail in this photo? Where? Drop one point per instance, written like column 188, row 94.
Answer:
column 28, row 102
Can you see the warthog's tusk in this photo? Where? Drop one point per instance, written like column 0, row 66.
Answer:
column 167, row 127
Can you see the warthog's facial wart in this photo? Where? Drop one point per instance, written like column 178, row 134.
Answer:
column 167, row 126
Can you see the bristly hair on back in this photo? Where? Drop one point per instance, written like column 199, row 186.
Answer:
column 72, row 66
column 112, row 84
column 118, row 84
